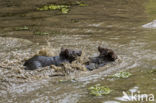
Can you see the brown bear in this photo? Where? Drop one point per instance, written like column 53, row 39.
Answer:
column 66, row 55
column 106, row 55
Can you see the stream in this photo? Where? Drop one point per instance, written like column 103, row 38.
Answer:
column 115, row 24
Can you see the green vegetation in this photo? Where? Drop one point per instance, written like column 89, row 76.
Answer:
column 41, row 33
column 80, row 3
column 121, row 75
column 63, row 8
column 98, row 90
column 21, row 28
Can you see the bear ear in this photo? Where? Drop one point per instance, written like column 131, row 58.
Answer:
column 62, row 49
column 66, row 51
column 99, row 48
column 63, row 52
column 80, row 53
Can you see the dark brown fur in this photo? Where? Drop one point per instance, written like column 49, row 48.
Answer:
column 66, row 55
column 106, row 55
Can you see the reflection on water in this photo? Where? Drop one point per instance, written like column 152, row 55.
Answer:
column 151, row 9
column 110, row 23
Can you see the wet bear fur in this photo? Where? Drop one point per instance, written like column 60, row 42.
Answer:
column 106, row 55
column 66, row 55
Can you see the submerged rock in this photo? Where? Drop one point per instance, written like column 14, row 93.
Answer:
column 151, row 25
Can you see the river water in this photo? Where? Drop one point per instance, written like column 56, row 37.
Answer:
column 115, row 24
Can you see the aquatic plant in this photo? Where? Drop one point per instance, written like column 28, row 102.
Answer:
column 63, row 8
column 98, row 90
column 80, row 3
column 41, row 33
column 121, row 75
column 22, row 28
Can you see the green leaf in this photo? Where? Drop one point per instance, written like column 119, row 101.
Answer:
column 65, row 10
column 80, row 3
column 121, row 75
column 83, row 5
column 98, row 90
